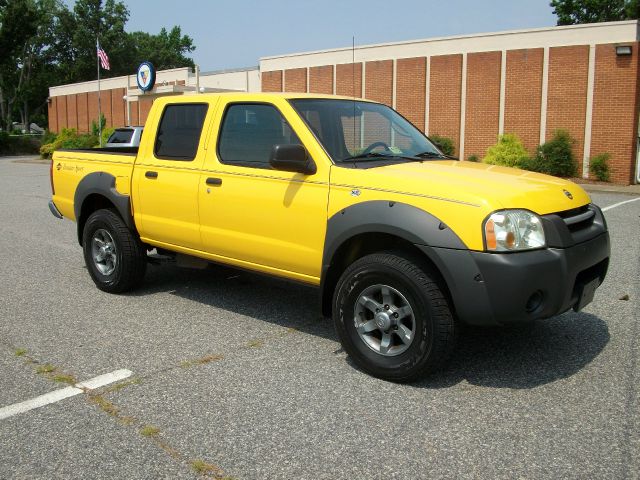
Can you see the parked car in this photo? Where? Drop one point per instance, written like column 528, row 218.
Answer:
column 125, row 137
column 403, row 243
column 33, row 128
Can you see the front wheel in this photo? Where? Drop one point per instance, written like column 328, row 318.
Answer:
column 115, row 258
column 392, row 317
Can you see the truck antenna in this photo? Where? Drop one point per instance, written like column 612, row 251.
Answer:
column 353, row 87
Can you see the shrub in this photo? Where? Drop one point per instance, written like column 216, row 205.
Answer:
column 445, row 144
column 47, row 149
column 555, row 157
column 48, row 137
column 532, row 164
column 508, row 152
column 18, row 145
column 86, row 140
column 106, row 133
column 68, row 138
column 472, row 158
column 599, row 166
column 95, row 129
column 4, row 141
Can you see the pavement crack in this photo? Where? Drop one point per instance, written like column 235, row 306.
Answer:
column 631, row 406
column 97, row 398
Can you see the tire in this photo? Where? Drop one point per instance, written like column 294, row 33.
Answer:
column 392, row 317
column 115, row 258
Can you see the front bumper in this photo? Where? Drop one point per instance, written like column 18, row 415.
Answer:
column 503, row 288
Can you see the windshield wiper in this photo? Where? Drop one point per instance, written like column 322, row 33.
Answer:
column 420, row 157
column 365, row 156
column 431, row 155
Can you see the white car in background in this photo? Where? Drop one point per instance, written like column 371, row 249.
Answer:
column 125, row 137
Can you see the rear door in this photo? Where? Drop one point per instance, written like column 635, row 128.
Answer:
column 167, row 174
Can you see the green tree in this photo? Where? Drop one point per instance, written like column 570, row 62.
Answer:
column 75, row 45
column 38, row 67
column 77, row 34
column 165, row 50
column 43, row 43
column 18, row 27
column 570, row 12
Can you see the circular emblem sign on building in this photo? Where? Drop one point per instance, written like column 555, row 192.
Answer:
column 146, row 76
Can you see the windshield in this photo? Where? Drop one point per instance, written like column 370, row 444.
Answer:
column 351, row 130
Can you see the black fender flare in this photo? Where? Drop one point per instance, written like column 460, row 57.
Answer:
column 103, row 184
column 380, row 216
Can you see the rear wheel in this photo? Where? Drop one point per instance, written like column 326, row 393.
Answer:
column 392, row 317
column 115, row 258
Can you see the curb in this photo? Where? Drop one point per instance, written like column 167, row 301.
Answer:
column 625, row 189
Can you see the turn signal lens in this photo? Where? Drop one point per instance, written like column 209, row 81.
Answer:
column 490, row 235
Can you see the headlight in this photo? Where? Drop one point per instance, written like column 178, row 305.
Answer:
column 512, row 230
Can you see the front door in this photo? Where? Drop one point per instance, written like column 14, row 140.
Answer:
column 253, row 215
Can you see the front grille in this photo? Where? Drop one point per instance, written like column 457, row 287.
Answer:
column 571, row 227
column 573, row 212
column 578, row 219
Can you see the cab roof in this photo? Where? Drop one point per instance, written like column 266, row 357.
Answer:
column 259, row 95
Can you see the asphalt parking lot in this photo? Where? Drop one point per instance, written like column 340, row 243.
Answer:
column 237, row 375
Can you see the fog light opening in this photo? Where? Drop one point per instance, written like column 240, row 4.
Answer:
column 534, row 302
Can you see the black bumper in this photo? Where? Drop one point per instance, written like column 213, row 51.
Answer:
column 502, row 288
column 54, row 210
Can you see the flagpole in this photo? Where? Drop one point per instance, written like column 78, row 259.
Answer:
column 99, row 104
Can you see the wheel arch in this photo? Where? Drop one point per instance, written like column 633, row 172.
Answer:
column 96, row 191
column 375, row 226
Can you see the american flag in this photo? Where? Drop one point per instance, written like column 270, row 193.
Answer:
column 102, row 55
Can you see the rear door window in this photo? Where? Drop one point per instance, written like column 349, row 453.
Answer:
column 179, row 131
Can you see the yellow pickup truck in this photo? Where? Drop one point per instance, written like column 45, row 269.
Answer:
column 402, row 241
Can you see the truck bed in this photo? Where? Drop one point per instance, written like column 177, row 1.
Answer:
column 122, row 150
column 69, row 167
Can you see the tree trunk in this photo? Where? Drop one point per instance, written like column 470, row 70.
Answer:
column 5, row 118
column 24, row 113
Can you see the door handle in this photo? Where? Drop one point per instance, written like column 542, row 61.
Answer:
column 150, row 174
column 214, row 181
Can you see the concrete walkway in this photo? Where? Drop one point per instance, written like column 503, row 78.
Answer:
column 612, row 188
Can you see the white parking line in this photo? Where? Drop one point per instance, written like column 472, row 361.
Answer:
column 620, row 203
column 56, row 396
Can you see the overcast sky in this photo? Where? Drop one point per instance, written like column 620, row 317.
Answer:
column 236, row 33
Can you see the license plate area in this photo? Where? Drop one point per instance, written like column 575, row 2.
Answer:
column 586, row 293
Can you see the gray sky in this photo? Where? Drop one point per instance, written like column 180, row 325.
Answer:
column 230, row 34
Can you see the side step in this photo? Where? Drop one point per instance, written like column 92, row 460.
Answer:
column 179, row 259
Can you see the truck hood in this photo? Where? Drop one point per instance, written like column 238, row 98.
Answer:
column 491, row 186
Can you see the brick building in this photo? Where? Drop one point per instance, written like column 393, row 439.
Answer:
column 122, row 103
column 582, row 78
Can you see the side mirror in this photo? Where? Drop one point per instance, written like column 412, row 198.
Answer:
column 292, row 158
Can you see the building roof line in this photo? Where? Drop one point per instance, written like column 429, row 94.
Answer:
column 458, row 37
column 230, row 70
